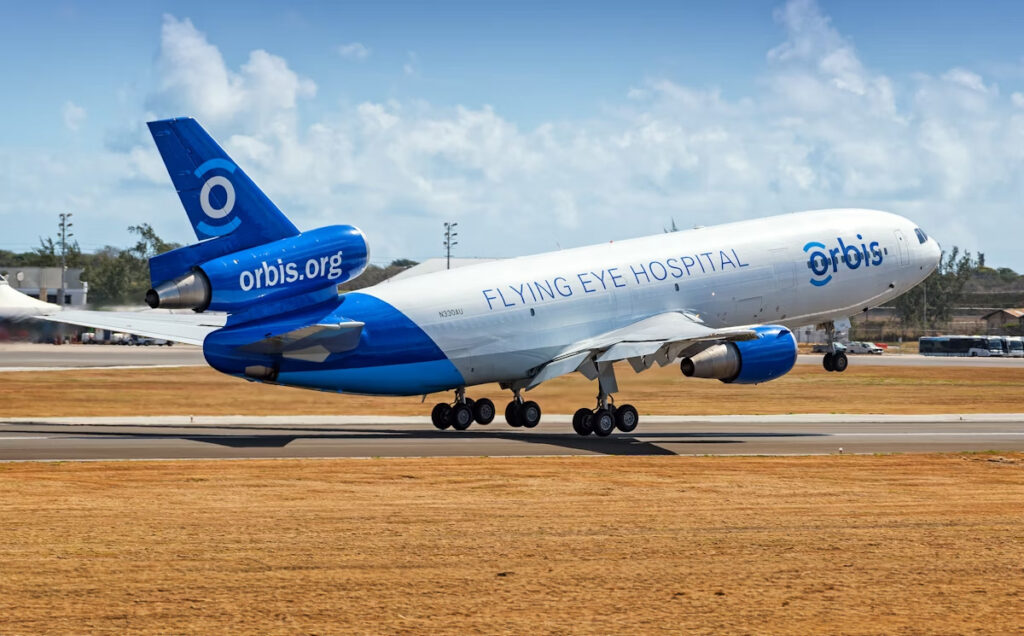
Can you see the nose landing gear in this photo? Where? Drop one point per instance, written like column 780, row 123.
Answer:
column 833, row 360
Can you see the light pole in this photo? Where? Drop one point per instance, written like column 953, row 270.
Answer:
column 65, row 235
column 449, row 242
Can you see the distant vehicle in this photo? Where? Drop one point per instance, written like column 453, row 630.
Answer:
column 823, row 348
column 864, row 347
column 961, row 346
column 146, row 341
column 1013, row 346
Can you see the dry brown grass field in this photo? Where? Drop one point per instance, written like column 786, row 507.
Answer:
column 807, row 389
column 612, row 545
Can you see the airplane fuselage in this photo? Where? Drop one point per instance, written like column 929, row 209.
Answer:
column 498, row 321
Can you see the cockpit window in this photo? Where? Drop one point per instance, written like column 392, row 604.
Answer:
column 921, row 236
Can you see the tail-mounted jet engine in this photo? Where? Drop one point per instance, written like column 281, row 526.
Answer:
column 308, row 262
column 771, row 355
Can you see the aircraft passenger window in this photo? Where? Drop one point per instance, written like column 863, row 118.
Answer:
column 921, row 236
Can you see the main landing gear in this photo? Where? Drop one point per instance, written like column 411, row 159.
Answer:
column 605, row 418
column 833, row 360
column 462, row 413
column 522, row 414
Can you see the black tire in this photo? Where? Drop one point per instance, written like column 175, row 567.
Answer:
column 483, row 411
column 827, row 362
column 460, row 417
column 581, row 422
column 626, row 418
column 512, row 414
column 603, row 422
column 840, row 362
column 439, row 416
column 529, row 414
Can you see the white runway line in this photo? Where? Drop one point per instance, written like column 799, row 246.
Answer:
column 101, row 368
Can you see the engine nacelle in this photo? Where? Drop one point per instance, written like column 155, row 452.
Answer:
column 308, row 262
column 771, row 355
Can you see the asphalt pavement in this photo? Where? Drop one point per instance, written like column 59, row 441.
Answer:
column 236, row 437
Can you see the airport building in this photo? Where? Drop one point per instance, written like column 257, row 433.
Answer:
column 45, row 283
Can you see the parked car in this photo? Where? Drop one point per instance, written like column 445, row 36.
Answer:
column 864, row 347
column 823, row 348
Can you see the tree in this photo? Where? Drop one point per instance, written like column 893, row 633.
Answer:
column 119, row 277
column 931, row 303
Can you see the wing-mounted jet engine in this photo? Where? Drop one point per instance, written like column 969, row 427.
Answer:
column 771, row 355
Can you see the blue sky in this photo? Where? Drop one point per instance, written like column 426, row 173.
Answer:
column 535, row 125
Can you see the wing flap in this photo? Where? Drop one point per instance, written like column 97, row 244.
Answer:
column 659, row 338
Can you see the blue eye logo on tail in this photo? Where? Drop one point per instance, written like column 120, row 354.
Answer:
column 217, row 198
column 824, row 261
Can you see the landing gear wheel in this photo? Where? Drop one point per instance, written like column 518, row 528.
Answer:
column 483, row 411
column 529, row 414
column 581, row 422
column 626, row 418
column 828, row 362
column 460, row 417
column 439, row 416
column 840, row 362
column 603, row 422
column 512, row 414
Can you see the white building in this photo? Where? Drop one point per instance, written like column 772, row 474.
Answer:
column 44, row 283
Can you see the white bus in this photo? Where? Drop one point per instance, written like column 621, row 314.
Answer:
column 963, row 346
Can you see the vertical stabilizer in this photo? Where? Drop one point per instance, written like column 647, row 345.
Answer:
column 218, row 196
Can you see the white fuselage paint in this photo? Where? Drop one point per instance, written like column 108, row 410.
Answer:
column 496, row 321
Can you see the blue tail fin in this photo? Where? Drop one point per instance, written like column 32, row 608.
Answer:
column 218, row 196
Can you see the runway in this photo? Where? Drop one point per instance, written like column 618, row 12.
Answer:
column 45, row 357
column 367, row 436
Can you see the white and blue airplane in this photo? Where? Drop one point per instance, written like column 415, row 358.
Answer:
column 719, row 301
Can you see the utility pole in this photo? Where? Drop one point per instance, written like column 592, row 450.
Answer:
column 449, row 242
column 65, row 235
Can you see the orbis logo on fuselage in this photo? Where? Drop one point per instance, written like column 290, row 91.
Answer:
column 824, row 261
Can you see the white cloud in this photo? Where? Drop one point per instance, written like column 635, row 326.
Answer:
column 819, row 128
column 74, row 116
column 353, row 51
column 195, row 80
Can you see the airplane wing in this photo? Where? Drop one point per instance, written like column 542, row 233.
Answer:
column 660, row 338
column 186, row 328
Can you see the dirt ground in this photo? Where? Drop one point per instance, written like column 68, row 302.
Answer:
column 842, row 544
column 807, row 389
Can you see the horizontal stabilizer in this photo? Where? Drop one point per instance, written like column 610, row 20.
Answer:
column 185, row 328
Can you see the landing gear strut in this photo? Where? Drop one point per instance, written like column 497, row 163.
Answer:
column 462, row 413
column 605, row 418
column 522, row 414
column 833, row 360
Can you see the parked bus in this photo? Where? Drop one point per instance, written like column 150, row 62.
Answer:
column 1013, row 346
column 965, row 346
